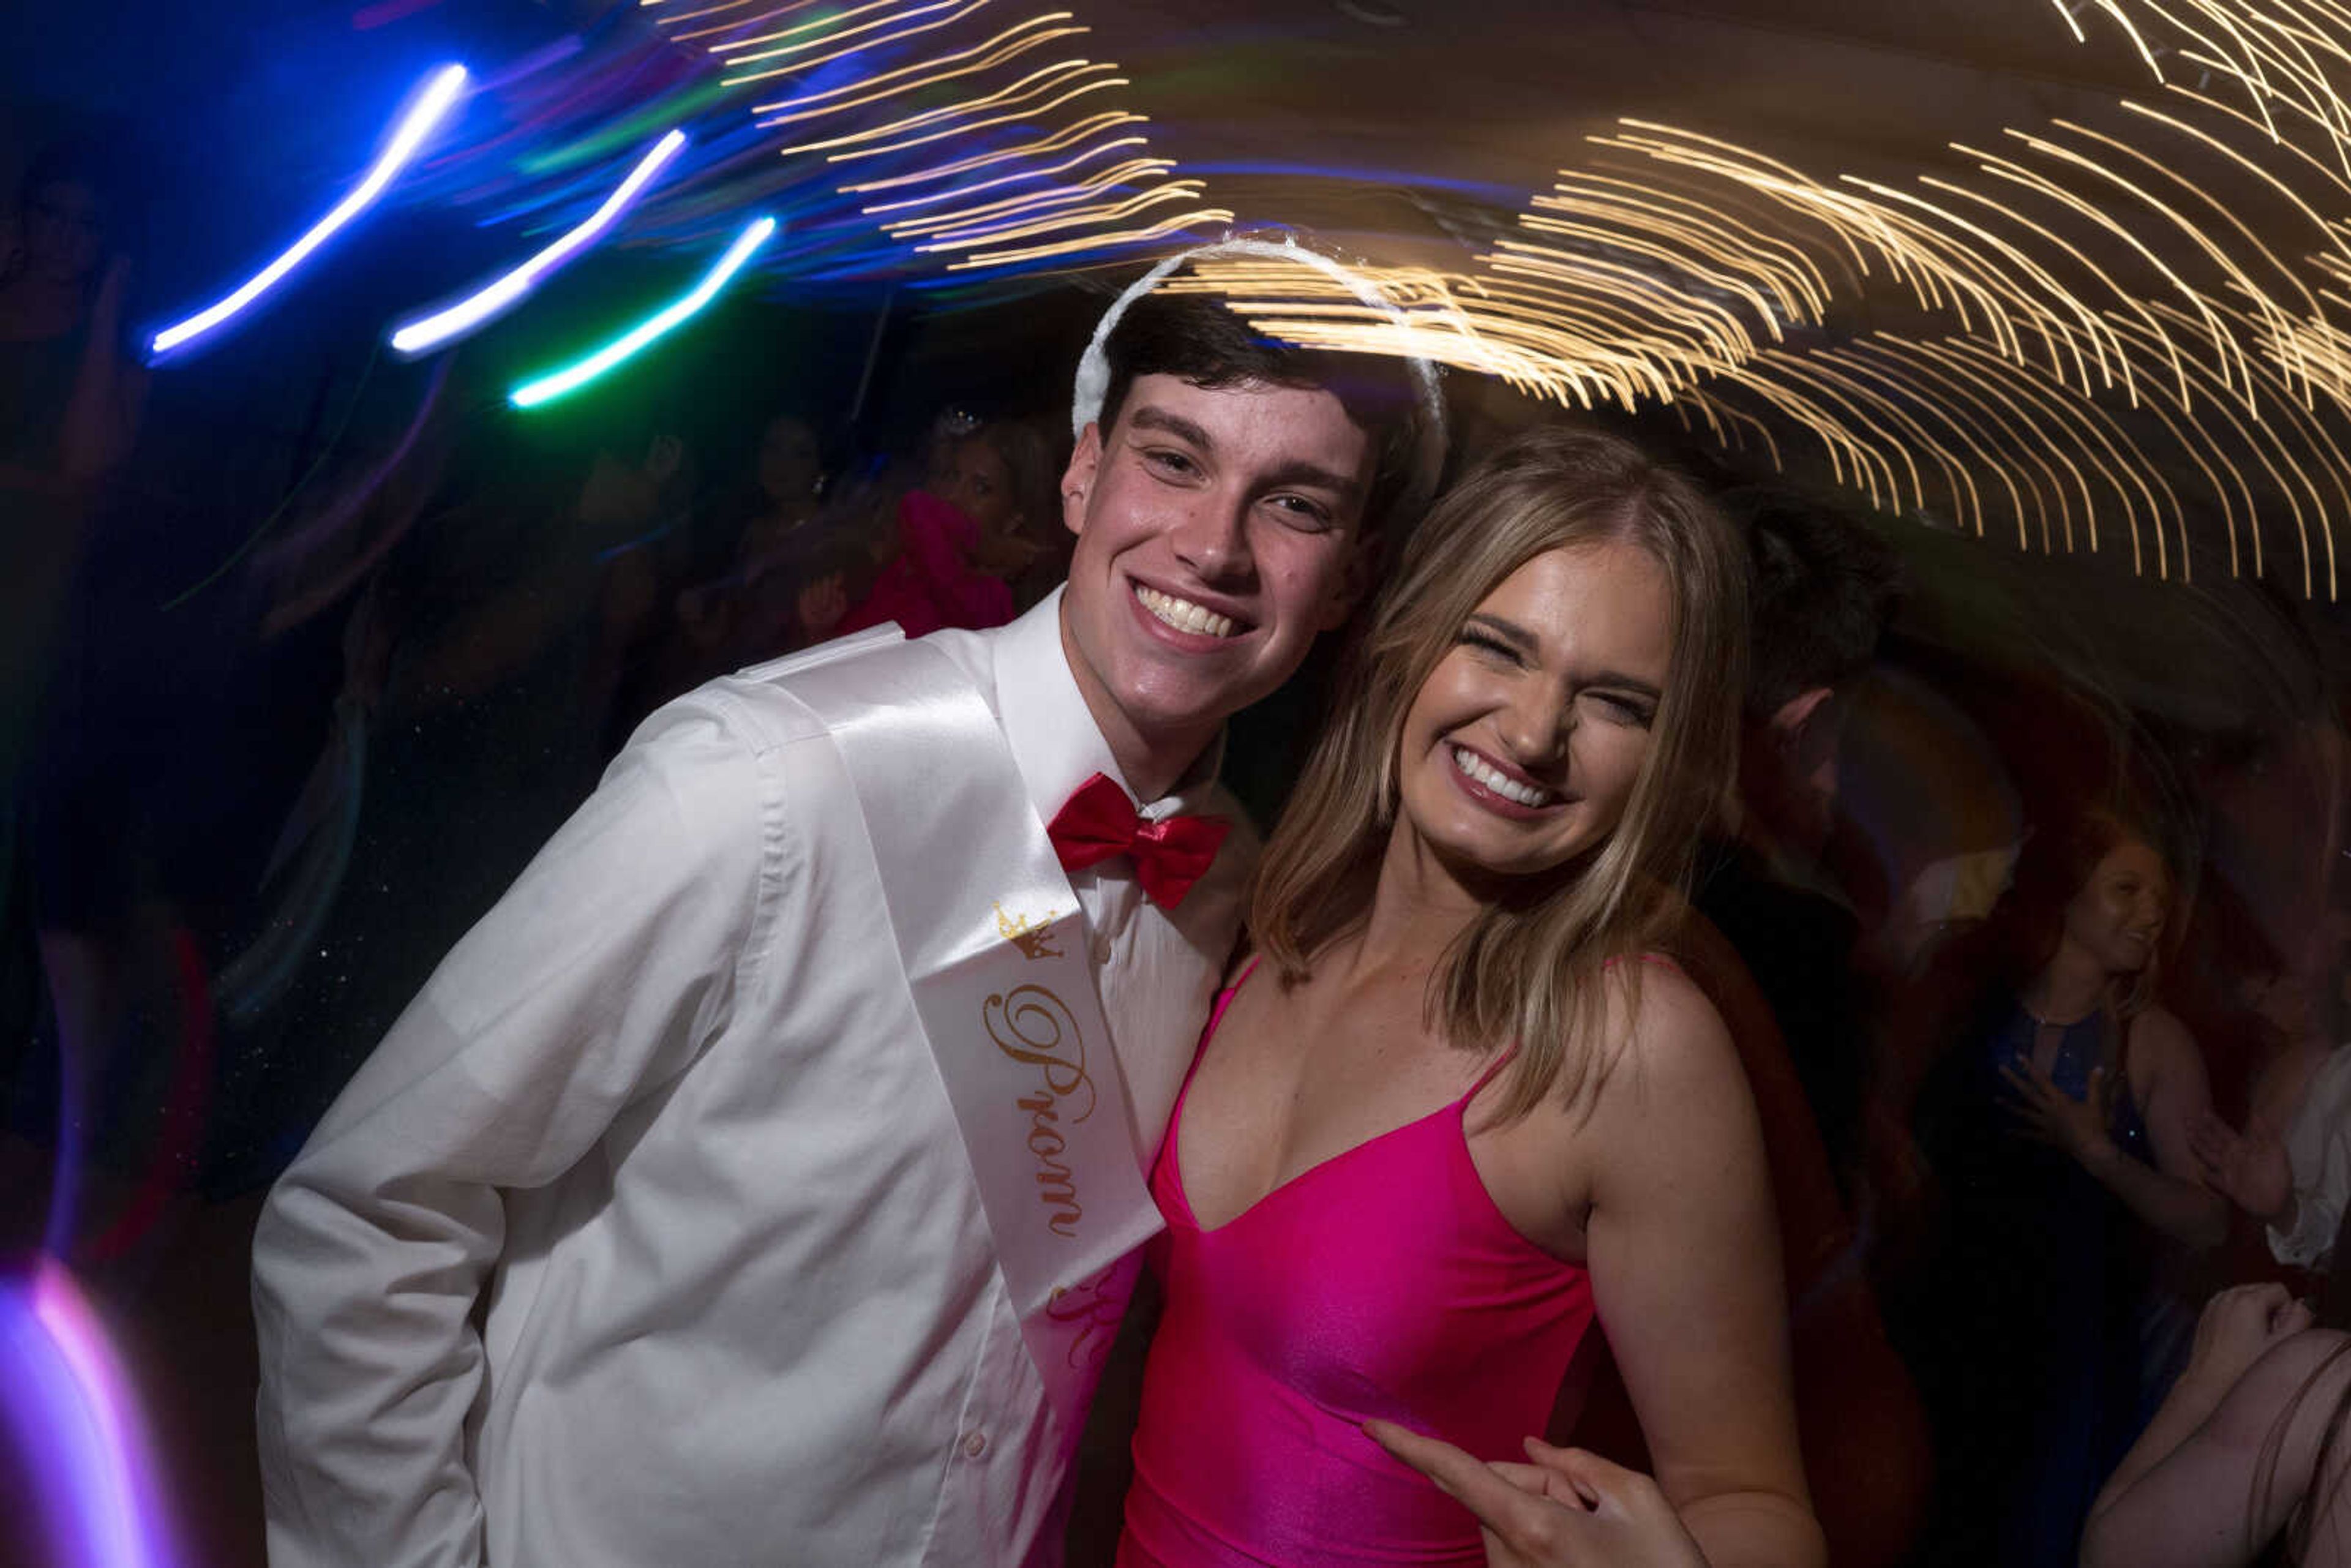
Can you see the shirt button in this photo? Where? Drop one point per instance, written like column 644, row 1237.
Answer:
column 975, row 1443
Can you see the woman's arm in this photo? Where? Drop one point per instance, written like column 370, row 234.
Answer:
column 2167, row 1080
column 1685, row 1272
column 2177, row 1095
column 2192, row 1491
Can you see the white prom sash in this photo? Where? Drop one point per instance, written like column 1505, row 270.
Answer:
column 993, row 947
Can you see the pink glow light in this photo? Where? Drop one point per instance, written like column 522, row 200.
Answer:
column 79, row 1428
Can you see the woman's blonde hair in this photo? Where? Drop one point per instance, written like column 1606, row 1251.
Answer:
column 1528, row 968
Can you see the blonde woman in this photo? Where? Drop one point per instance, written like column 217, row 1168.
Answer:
column 1455, row 1109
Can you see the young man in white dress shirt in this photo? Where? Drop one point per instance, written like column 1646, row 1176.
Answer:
column 654, row 1233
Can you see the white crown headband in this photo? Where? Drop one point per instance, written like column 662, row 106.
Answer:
column 1093, row 365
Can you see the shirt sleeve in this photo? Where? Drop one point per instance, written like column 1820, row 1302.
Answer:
column 618, row 952
column 2322, row 1167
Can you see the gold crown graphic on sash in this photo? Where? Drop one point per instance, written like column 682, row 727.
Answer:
column 1035, row 939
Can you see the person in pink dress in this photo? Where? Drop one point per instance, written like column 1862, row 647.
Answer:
column 964, row 538
column 1458, row 1109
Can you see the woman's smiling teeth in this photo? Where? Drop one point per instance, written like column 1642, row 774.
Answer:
column 1473, row 766
column 1183, row 614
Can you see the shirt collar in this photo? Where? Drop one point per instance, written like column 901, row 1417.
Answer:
column 1053, row 733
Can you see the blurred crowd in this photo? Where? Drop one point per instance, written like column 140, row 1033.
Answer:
column 2041, row 985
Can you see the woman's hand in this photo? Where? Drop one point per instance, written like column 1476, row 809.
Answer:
column 1569, row 1509
column 2250, row 1168
column 822, row 606
column 2047, row 1114
column 2237, row 1329
column 1006, row 554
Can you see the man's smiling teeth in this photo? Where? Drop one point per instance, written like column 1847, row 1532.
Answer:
column 1472, row 766
column 1183, row 614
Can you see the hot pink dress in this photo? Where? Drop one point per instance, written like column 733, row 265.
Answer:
column 933, row 584
column 1382, row 1283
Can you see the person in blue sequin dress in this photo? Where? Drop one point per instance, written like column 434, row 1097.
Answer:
column 2058, row 1130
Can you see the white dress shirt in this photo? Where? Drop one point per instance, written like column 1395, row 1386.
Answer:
column 2319, row 1152
column 669, row 1107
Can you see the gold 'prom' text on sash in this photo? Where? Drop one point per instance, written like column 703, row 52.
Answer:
column 993, row 947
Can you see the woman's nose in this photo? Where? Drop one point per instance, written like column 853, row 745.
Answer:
column 1537, row 726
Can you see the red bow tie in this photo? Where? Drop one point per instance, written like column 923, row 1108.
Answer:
column 1169, row 855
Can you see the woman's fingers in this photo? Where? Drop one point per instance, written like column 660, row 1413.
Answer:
column 1596, row 1480
column 2032, row 1089
column 1526, row 1520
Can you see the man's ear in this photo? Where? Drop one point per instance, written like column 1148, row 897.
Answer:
column 1078, row 479
column 1788, row 719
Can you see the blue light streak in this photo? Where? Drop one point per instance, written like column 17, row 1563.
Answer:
column 427, row 333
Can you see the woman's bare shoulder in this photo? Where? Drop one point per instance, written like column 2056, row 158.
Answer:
column 2157, row 1028
column 1670, row 1050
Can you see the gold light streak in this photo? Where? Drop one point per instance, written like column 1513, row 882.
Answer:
column 774, row 14
column 1602, row 318
column 2005, row 169
column 2225, row 408
column 942, row 122
column 826, row 26
column 1107, row 212
column 1940, row 270
column 987, row 218
column 1777, row 257
column 1866, row 379
column 1091, row 125
column 845, row 53
column 2074, row 252
column 1722, row 331
column 1847, row 453
column 2030, row 267
column 1603, row 335
column 1726, row 280
column 2219, row 257
column 2024, row 435
column 1158, row 231
column 668, row 18
column 2127, row 459
column 2011, row 382
column 2313, row 430
column 2277, row 63
column 1859, row 361
column 1010, row 44
column 1454, row 320
column 2295, row 60
column 923, row 73
column 1716, row 409
column 2318, row 341
column 2121, row 459
column 1086, row 155
column 1800, row 292
column 2113, row 10
column 1681, row 286
column 1364, row 329
column 2247, row 164
column 2203, row 451
column 1851, row 396
column 2253, row 508
column 1763, row 174
column 1033, row 201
